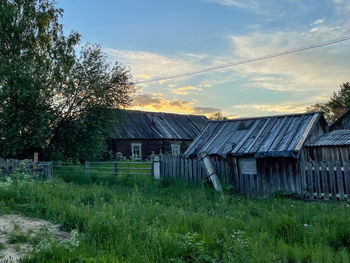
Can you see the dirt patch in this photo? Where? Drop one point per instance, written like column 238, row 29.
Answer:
column 16, row 232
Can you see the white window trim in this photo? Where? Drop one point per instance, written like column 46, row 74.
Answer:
column 132, row 151
column 175, row 147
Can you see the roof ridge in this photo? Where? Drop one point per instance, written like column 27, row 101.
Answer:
column 269, row 116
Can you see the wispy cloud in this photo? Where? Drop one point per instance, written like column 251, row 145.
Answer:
column 270, row 108
column 157, row 102
column 184, row 90
column 249, row 4
column 142, row 76
column 318, row 22
column 155, row 65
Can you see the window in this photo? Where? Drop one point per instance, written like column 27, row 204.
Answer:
column 175, row 149
column 136, row 151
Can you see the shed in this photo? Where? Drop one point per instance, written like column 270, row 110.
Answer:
column 141, row 134
column 331, row 147
column 263, row 152
column 343, row 122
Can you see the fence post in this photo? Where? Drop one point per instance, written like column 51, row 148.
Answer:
column 35, row 163
column 210, row 171
column 115, row 168
column 86, row 166
column 156, row 167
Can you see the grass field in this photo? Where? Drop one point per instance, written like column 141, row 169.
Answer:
column 137, row 219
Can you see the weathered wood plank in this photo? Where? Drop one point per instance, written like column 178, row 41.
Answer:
column 340, row 181
column 317, row 179
column 190, row 167
column 310, row 180
column 332, row 180
column 347, row 180
column 303, row 178
column 236, row 173
column 325, row 187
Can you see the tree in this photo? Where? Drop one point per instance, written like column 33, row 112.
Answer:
column 217, row 116
column 46, row 90
column 85, row 105
column 33, row 53
column 339, row 101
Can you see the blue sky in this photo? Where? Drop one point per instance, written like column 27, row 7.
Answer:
column 161, row 38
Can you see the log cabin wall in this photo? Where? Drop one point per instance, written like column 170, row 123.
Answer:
column 148, row 146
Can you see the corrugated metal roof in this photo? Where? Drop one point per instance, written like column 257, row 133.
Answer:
column 159, row 125
column 263, row 136
column 334, row 138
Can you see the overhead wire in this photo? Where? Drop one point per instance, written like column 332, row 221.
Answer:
column 278, row 54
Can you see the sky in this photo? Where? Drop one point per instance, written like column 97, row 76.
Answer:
column 162, row 38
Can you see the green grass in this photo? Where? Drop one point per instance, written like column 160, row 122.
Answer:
column 137, row 219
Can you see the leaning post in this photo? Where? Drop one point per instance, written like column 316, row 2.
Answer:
column 208, row 165
column 156, row 167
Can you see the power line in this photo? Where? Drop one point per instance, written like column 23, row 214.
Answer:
column 322, row 44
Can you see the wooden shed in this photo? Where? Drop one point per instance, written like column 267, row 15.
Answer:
column 263, row 153
column 343, row 122
column 331, row 147
column 141, row 134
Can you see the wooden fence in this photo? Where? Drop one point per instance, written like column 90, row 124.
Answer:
column 326, row 180
column 105, row 168
column 191, row 170
column 9, row 166
column 314, row 180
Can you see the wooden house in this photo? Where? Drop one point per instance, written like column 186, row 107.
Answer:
column 141, row 134
column 263, row 153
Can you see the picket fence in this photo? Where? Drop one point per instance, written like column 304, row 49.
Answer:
column 318, row 180
column 191, row 170
column 326, row 180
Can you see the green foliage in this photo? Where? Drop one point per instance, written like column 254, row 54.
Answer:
column 51, row 100
column 340, row 100
column 140, row 220
column 217, row 116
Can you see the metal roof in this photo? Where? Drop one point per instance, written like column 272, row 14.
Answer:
column 282, row 136
column 334, row 138
column 158, row 125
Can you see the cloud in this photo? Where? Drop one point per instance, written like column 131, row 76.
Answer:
column 318, row 21
column 342, row 6
column 155, row 65
column 314, row 70
column 249, row 4
column 157, row 102
column 184, row 90
column 143, row 76
column 271, row 108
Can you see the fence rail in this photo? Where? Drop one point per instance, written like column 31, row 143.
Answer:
column 106, row 168
column 9, row 166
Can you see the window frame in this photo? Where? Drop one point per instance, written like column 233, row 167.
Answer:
column 175, row 147
column 137, row 145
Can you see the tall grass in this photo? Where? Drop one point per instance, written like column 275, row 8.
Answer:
column 137, row 219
